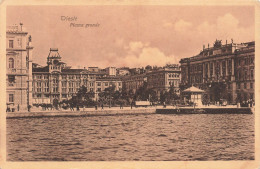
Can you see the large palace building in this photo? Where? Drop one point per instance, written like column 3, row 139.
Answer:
column 224, row 71
column 57, row 81
column 18, row 68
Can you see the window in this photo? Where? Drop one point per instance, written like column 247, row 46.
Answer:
column 245, row 61
column 55, row 89
column 119, row 84
column 71, row 87
column 99, row 89
column 11, row 44
column 106, row 84
column 11, row 97
column 251, row 60
column 77, row 86
column 64, row 84
column 11, row 78
column 244, row 85
column 11, row 63
column 64, row 96
column 245, row 74
column 251, row 85
column 77, row 76
column 238, row 76
column 39, row 87
column 252, row 73
column 251, row 95
column 98, row 83
column 238, row 85
column 46, row 87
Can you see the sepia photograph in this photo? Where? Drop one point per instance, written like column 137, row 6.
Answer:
column 130, row 83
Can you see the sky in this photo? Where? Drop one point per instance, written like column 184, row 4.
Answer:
column 132, row 36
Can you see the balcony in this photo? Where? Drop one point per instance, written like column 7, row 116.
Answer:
column 11, row 84
column 17, row 71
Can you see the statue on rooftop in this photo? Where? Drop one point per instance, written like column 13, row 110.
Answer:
column 30, row 38
column 217, row 43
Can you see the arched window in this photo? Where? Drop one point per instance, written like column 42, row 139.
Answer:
column 11, row 63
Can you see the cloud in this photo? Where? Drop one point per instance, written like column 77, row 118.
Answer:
column 141, row 54
column 182, row 25
column 135, row 46
column 225, row 28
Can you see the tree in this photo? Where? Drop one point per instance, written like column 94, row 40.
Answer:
column 141, row 93
column 108, row 95
column 152, row 96
column 169, row 97
column 82, row 98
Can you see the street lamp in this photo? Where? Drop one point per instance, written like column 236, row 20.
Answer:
column 110, row 87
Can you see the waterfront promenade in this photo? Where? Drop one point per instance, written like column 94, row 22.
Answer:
column 118, row 111
column 84, row 112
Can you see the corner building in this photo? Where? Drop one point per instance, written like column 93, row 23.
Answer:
column 18, row 68
column 57, row 81
column 223, row 71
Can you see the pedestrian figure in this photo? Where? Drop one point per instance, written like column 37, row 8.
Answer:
column 71, row 107
column 102, row 106
column 29, row 108
column 95, row 107
column 77, row 107
column 164, row 105
column 131, row 105
column 18, row 107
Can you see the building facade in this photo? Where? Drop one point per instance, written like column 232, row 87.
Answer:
column 158, row 79
column 223, row 71
column 57, row 81
column 18, row 68
column 163, row 79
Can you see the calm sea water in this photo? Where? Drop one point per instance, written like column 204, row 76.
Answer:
column 132, row 137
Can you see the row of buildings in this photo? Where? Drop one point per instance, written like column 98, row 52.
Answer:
column 227, row 68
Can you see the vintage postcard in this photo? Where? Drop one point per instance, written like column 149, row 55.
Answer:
column 134, row 85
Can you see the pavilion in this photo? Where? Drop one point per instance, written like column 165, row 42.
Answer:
column 194, row 94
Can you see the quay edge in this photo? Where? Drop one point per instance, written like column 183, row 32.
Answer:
column 243, row 110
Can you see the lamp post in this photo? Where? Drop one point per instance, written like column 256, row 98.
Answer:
column 110, row 86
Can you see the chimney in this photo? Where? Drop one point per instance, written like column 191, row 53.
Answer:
column 54, row 49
